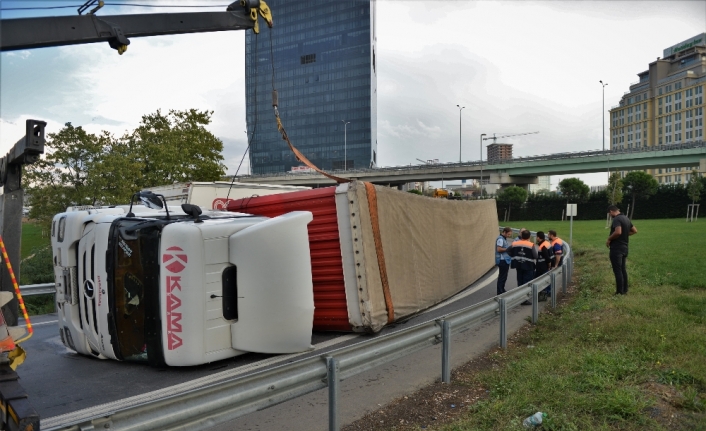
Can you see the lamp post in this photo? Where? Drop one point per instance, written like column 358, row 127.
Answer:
column 481, row 164
column 603, row 85
column 460, row 108
column 345, row 144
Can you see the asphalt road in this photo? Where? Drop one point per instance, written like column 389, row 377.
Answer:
column 59, row 381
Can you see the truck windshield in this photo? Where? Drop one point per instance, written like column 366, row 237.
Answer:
column 135, row 326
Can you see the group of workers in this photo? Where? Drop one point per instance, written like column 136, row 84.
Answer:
column 529, row 259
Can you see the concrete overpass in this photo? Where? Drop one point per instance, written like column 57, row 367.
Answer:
column 522, row 170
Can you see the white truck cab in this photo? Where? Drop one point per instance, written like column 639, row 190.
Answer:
column 171, row 288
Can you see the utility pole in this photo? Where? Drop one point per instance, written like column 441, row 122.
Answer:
column 345, row 144
column 603, row 129
column 481, row 163
column 460, row 108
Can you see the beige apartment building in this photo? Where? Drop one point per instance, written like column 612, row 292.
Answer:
column 665, row 107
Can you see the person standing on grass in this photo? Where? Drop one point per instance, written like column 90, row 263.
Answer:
column 620, row 231
column 557, row 248
column 513, row 264
column 525, row 254
column 502, row 259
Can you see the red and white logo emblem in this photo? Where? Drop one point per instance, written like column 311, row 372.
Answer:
column 175, row 262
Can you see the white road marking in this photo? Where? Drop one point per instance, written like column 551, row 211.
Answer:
column 40, row 324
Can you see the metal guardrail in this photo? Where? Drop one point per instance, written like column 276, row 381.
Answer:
column 205, row 407
column 37, row 289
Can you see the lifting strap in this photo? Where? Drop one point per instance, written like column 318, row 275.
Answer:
column 375, row 222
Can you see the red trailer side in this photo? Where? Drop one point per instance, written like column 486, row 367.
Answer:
column 331, row 311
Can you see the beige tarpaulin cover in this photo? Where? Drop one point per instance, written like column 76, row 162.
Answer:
column 433, row 248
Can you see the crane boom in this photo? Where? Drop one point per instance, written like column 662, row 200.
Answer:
column 42, row 32
column 495, row 138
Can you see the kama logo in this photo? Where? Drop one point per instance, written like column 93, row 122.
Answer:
column 220, row 204
column 177, row 260
column 175, row 263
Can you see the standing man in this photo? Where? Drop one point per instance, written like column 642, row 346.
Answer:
column 545, row 260
column 502, row 258
column 620, row 231
column 513, row 265
column 557, row 249
column 524, row 253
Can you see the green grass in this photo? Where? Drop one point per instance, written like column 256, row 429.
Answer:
column 32, row 238
column 32, row 242
column 601, row 362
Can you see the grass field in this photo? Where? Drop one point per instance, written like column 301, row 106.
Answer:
column 32, row 240
column 605, row 362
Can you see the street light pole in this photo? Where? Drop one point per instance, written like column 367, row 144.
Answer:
column 604, row 84
column 481, row 164
column 345, row 144
column 460, row 108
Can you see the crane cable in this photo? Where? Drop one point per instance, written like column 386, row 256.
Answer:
column 280, row 127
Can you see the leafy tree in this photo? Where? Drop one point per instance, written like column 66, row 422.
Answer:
column 694, row 187
column 176, row 147
column 414, row 191
column 80, row 168
column 639, row 184
column 512, row 195
column 615, row 189
column 574, row 190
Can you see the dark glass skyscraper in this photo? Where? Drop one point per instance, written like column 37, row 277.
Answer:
column 325, row 74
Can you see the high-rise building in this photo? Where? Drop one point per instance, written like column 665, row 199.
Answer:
column 498, row 152
column 322, row 55
column 666, row 106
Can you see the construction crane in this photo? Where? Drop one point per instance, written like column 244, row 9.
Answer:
column 495, row 138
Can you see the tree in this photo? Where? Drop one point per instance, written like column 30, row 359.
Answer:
column 694, row 188
column 512, row 195
column 574, row 189
column 176, row 147
column 615, row 189
column 639, row 184
column 80, row 168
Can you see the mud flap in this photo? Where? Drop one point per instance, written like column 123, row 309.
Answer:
column 274, row 284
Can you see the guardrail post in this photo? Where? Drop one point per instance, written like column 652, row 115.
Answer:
column 332, row 373
column 563, row 278
column 552, row 278
column 535, row 303
column 445, row 346
column 503, row 323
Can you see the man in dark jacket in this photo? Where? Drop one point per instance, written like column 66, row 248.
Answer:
column 545, row 260
column 524, row 253
column 620, row 231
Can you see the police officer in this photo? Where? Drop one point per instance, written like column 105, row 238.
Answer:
column 502, row 259
column 545, row 260
column 525, row 254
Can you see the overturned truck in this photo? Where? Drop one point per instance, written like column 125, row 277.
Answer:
column 173, row 287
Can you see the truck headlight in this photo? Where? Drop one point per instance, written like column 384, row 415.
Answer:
column 62, row 229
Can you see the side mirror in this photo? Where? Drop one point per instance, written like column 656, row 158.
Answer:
column 192, row 210
column 150, row 200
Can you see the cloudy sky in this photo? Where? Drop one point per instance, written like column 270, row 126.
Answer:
column 516, row 67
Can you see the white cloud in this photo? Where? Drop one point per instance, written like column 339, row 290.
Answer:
column 515, row 66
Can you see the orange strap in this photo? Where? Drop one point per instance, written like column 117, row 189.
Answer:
column 30, row 331
column 375, row 222
column 303, row 158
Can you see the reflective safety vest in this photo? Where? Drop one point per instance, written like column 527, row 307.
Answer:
column 524, row 253
column 545, row 245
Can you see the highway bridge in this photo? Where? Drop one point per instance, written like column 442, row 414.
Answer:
column 521, row 170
